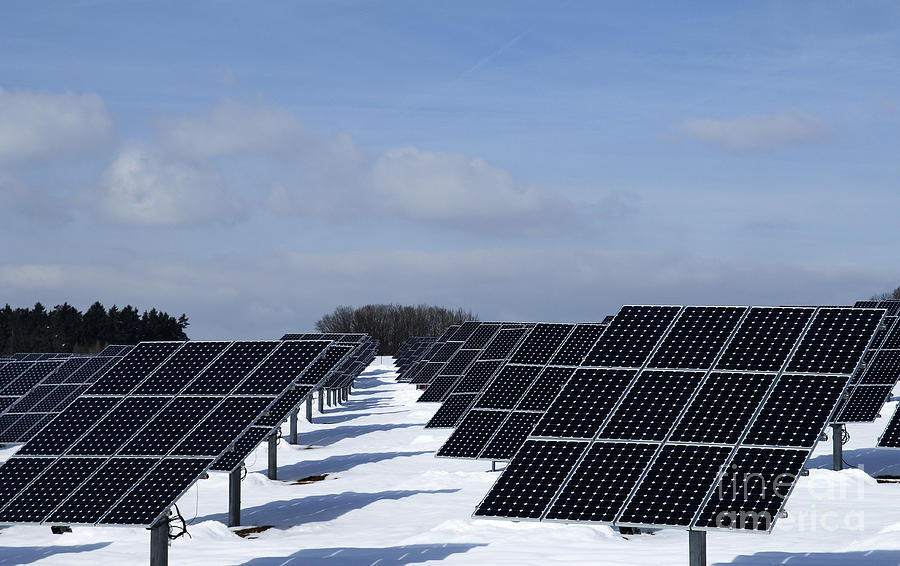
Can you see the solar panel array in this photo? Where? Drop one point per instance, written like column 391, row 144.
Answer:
column 144, row 431
column 470, row 353
column 671, row 402
column 330, row 362
column 31, row 404
column 363, row 352
column 421, row 368
column 411, row 351
column 476, row 378
column 872, row 385
column 512, row 403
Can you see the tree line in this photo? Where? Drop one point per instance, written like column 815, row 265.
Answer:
column 67, row 329
column 391, row 324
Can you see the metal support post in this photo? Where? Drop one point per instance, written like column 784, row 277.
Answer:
column 837, row 443
column 493, row 465
column 234, row 498
column 321, row 400
column 159, row 543
column 347, row 393
column 697, row 548
column 309, row 409
column 292, row 437
column 273, row 456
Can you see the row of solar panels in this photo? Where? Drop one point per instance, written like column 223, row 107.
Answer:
column 149, row 424
column 411, row 351
column 632, row 422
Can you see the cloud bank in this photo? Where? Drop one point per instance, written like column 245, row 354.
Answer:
column 39, row 125
column 756, row 133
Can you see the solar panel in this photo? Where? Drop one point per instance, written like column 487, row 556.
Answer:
column 518, row 389
column 50, row 391
column 634, row 445
column 874, row 381
column 480, row 335
column 479, row 375
column 147, row 441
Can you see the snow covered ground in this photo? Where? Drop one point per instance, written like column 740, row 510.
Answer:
column 386, row 500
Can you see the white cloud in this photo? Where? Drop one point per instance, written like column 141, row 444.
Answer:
column 752, row 133
column 313, row 175
column 232, row 128
column 145, row 187
column 453, row 188
column 38, row 125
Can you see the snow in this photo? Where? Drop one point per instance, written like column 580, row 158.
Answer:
column 386, row 500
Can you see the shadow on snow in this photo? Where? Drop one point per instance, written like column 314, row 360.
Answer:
column 858, row 558
column 875, row 461
column 350, row 556
column 339, row 463
column 325, row 437
column 29, row 554
column 315, row 508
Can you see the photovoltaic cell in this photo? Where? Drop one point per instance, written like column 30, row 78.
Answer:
column 584, row 403
column 165, row 482
column 438, row 389
column 40, row 498
column 160, row 434
column 750, row 494
column 531, row 479
column 631, row 336
column 890, row 438
column 229, row 369
column 510, row 436
column 66, row 428
column 113, row 430
column 865, row 403
column 472, row 434
column 675, row 485
column 446, row 352
column 452, row 410
column 602, row 482
column 545, row 388
column 242, row 448
column 181, row 368
column 834, row 342
column 506, row 389
column 765, row 338
column 649, row 409
column 477, row 376
column 133, row 369
column 577, row 344
column 696, row 337
column 791, row 415
column 723, row 407
column 482, row 335
column 541, row 344
column 282, row 368
column 464, row 331
column 502, row 344
column 883, row 369
column 108, row 484
column 222, row 426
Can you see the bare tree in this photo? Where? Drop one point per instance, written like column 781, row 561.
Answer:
column 895, row 294
column 391, row 324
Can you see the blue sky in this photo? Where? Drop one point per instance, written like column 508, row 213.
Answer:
column 256, row 164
